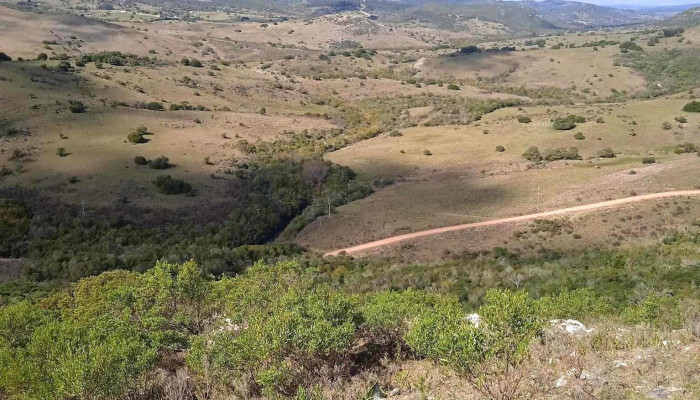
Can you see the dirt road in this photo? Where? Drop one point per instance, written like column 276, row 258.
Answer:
column 587, row 207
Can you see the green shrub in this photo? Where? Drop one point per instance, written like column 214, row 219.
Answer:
column 693, row 106
column 136, row 138
column 161, row 162
column 154, row 106
column 168, row 185
column 500, row 149
column 5, row 57
column 681, row 119
column 61, row 152
column 195, row 63
column 685, row 148
column 524, row 119
column 666, row 126
column 577, row 304
column 579, row 136
column 648, row 160
column 656, row 310
column 427, row 153
column 42, row 57
column 452, row 86
column 605, row 153
column 140, row 160
column 509, row 323
column 630, row 46
column 76, row 107
column 563, row 124
column 185, row 61
column 561, row 153
column 532, row 154
column 52, row 357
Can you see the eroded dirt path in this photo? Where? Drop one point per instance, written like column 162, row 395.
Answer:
column 560, row 211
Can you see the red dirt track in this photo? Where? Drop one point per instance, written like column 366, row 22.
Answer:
column 437, row 231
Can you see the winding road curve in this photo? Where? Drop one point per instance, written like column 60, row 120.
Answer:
column 587, row 207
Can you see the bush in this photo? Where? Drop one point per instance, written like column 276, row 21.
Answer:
column 76, row 107
column 61, row 152
column 681, row 119
column 605, row 153
column 666, row 126
column 168, row 185
column 648, row 160
column 136, row 138
column 524, row 119
column 427, row 153
column 579, row 136
column 161, row 162
column 532, row 154
column 42, row 57
column 452, row 86
column 630, row 46
column 5, row 57
column 154, row 106
column 195, row 63
column 693, row 106
column 656, row 310
column 500, row 149
column 685, row 148
column 140, row 160
column 561, row 154
column 185, row 61
column 564, row 124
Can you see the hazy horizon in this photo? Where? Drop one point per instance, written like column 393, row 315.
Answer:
column 639, row 3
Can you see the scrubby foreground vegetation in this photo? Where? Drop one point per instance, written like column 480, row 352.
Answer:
column 305, row 329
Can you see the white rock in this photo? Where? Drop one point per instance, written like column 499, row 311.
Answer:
column 474, row 319
column 570, row 326
column 619, row 364
column 561, row 382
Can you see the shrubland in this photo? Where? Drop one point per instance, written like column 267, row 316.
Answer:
column 290, row 328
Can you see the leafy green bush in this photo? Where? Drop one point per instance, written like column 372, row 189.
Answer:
column 524, row 119
column 161, row 162
column 140, row 160
column 500, row 149
column 666, row 125
column 693, row 106
column 154, row 106
column 76, row 107
column 579, row 136
column 656, row 310
column 568, row 122
column 452, row 86
column 136, row 138
column 605, row 153
column 561, row 153
column 686, row 147
column 648, row 160
column 50, row 357
column 169, row 185
column 532, row 154
column 630, row 46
